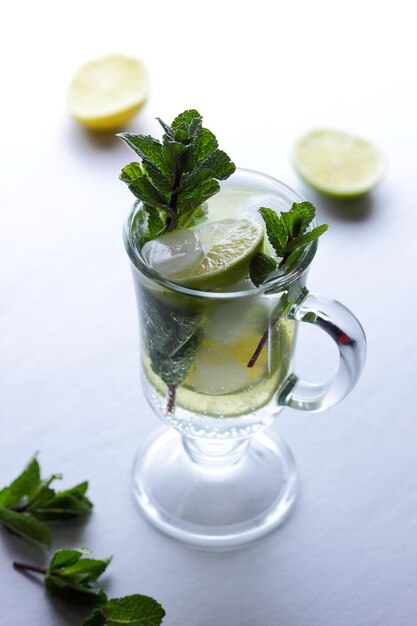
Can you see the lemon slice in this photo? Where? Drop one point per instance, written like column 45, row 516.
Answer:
column 108, row 92
column 338, row 164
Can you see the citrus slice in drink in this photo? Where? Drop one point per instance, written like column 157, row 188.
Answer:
column 227, row 247
column 338, row 164
column 107, row 92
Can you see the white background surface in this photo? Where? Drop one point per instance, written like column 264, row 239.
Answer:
column 69, row 357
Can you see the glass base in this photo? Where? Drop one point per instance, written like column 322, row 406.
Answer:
column 215, row 495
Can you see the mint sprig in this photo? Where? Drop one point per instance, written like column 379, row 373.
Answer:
column 288, row 235
column 29, row 501
column 176, row 175
column 134, row 610
column 72, row 576
column 171, row 340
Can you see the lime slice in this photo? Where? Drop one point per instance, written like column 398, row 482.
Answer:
column 337, row 163
column 228, row 245
column 213, row 255
column 108, row 92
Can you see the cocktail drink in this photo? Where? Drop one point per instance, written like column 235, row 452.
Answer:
column 217, row 346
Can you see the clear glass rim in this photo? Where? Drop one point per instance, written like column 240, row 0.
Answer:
column 278, row 283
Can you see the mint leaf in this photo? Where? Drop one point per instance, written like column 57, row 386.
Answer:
column 188, row 120
column 170, row 337
column 301, row 214
column 86, row 570
column 204, row 145
column 130, row 172
column 146, row 225
column 24, row 485
column 26, row 526
column 191, row 199
column 306, row 238
column 97, row 618
column 219, row 164
column 288, row 235
column 151, row 151
column 66, row 557
column 176, row 176
column 30, row 500
column 73, row 592
column 72, row 577
column 275, row 230
column 64, row 505
column 135, row 610
column 143, row 188
column 260, row 268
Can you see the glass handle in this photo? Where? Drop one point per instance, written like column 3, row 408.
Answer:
column 348, row 334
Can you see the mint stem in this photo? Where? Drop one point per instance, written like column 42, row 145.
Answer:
column 172, row 389
column 262, row 342
column 31, row 568
column 283, row 261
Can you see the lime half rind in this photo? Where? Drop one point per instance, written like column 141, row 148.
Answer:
column 210, row 256
column 338, row 164
column 229, row 246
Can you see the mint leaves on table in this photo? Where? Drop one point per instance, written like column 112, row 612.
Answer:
column 29, row 501
column 71, row 576
column 288, row 235
column 175, row 176
column 136, row 610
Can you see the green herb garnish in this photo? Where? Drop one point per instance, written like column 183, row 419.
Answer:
column 171, row 339
column 288, row 235
column 134, row 610
column 175, row 176
column 71, row 576
column 29, row 501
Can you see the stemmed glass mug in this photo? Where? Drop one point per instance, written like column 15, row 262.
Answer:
column 217, row 368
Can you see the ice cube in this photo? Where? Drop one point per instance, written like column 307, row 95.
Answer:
column 217, row 371
column 174, row 253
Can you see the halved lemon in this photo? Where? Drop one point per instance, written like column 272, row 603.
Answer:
column 338, row 164
column 107, row 92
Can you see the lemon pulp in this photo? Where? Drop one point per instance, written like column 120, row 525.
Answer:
column 107, row 92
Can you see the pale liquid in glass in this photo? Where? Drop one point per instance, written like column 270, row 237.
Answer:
column 225, row 334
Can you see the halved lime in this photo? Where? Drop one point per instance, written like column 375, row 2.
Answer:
column 107, row 92
column 213, row 255
column 338, row 164
column 229, row 245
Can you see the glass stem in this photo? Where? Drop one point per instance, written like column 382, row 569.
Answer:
column 213, row 454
